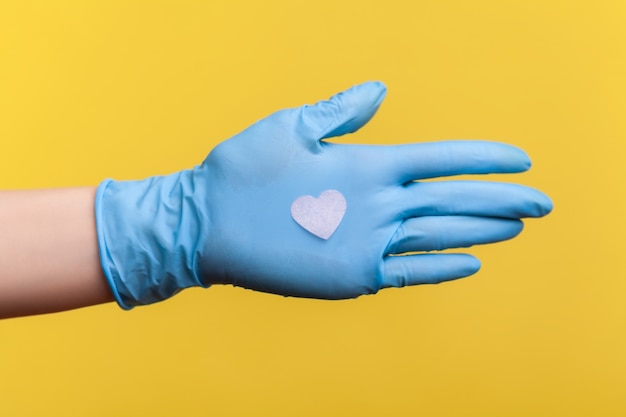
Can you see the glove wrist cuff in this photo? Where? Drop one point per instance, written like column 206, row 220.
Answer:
column 149, row 234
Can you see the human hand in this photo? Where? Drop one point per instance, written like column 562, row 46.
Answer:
column 243, row 216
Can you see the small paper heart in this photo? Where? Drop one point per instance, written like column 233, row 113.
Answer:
column 320, row 216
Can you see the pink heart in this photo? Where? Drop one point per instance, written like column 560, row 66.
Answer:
column 320, row 216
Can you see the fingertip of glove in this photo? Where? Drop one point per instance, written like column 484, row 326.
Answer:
column 371, row 92
column 516, row 158
column 353, row 108
column 544, row 205
column 525, row 161
column 472, row 265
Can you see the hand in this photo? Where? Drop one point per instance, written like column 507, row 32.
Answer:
column 243, row 217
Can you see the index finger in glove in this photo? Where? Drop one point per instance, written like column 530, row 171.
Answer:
column 436, row 159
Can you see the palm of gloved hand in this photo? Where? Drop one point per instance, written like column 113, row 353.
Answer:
column 251, row 181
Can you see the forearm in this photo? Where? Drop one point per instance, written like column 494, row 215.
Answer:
column 49, row 252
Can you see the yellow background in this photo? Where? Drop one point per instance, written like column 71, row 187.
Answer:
column 129, row 89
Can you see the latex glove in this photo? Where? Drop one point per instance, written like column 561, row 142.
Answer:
column 230, row 220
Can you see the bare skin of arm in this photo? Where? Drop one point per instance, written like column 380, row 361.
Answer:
column 49, row 257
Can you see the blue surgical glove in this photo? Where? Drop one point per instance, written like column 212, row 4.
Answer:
column 278, row 209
